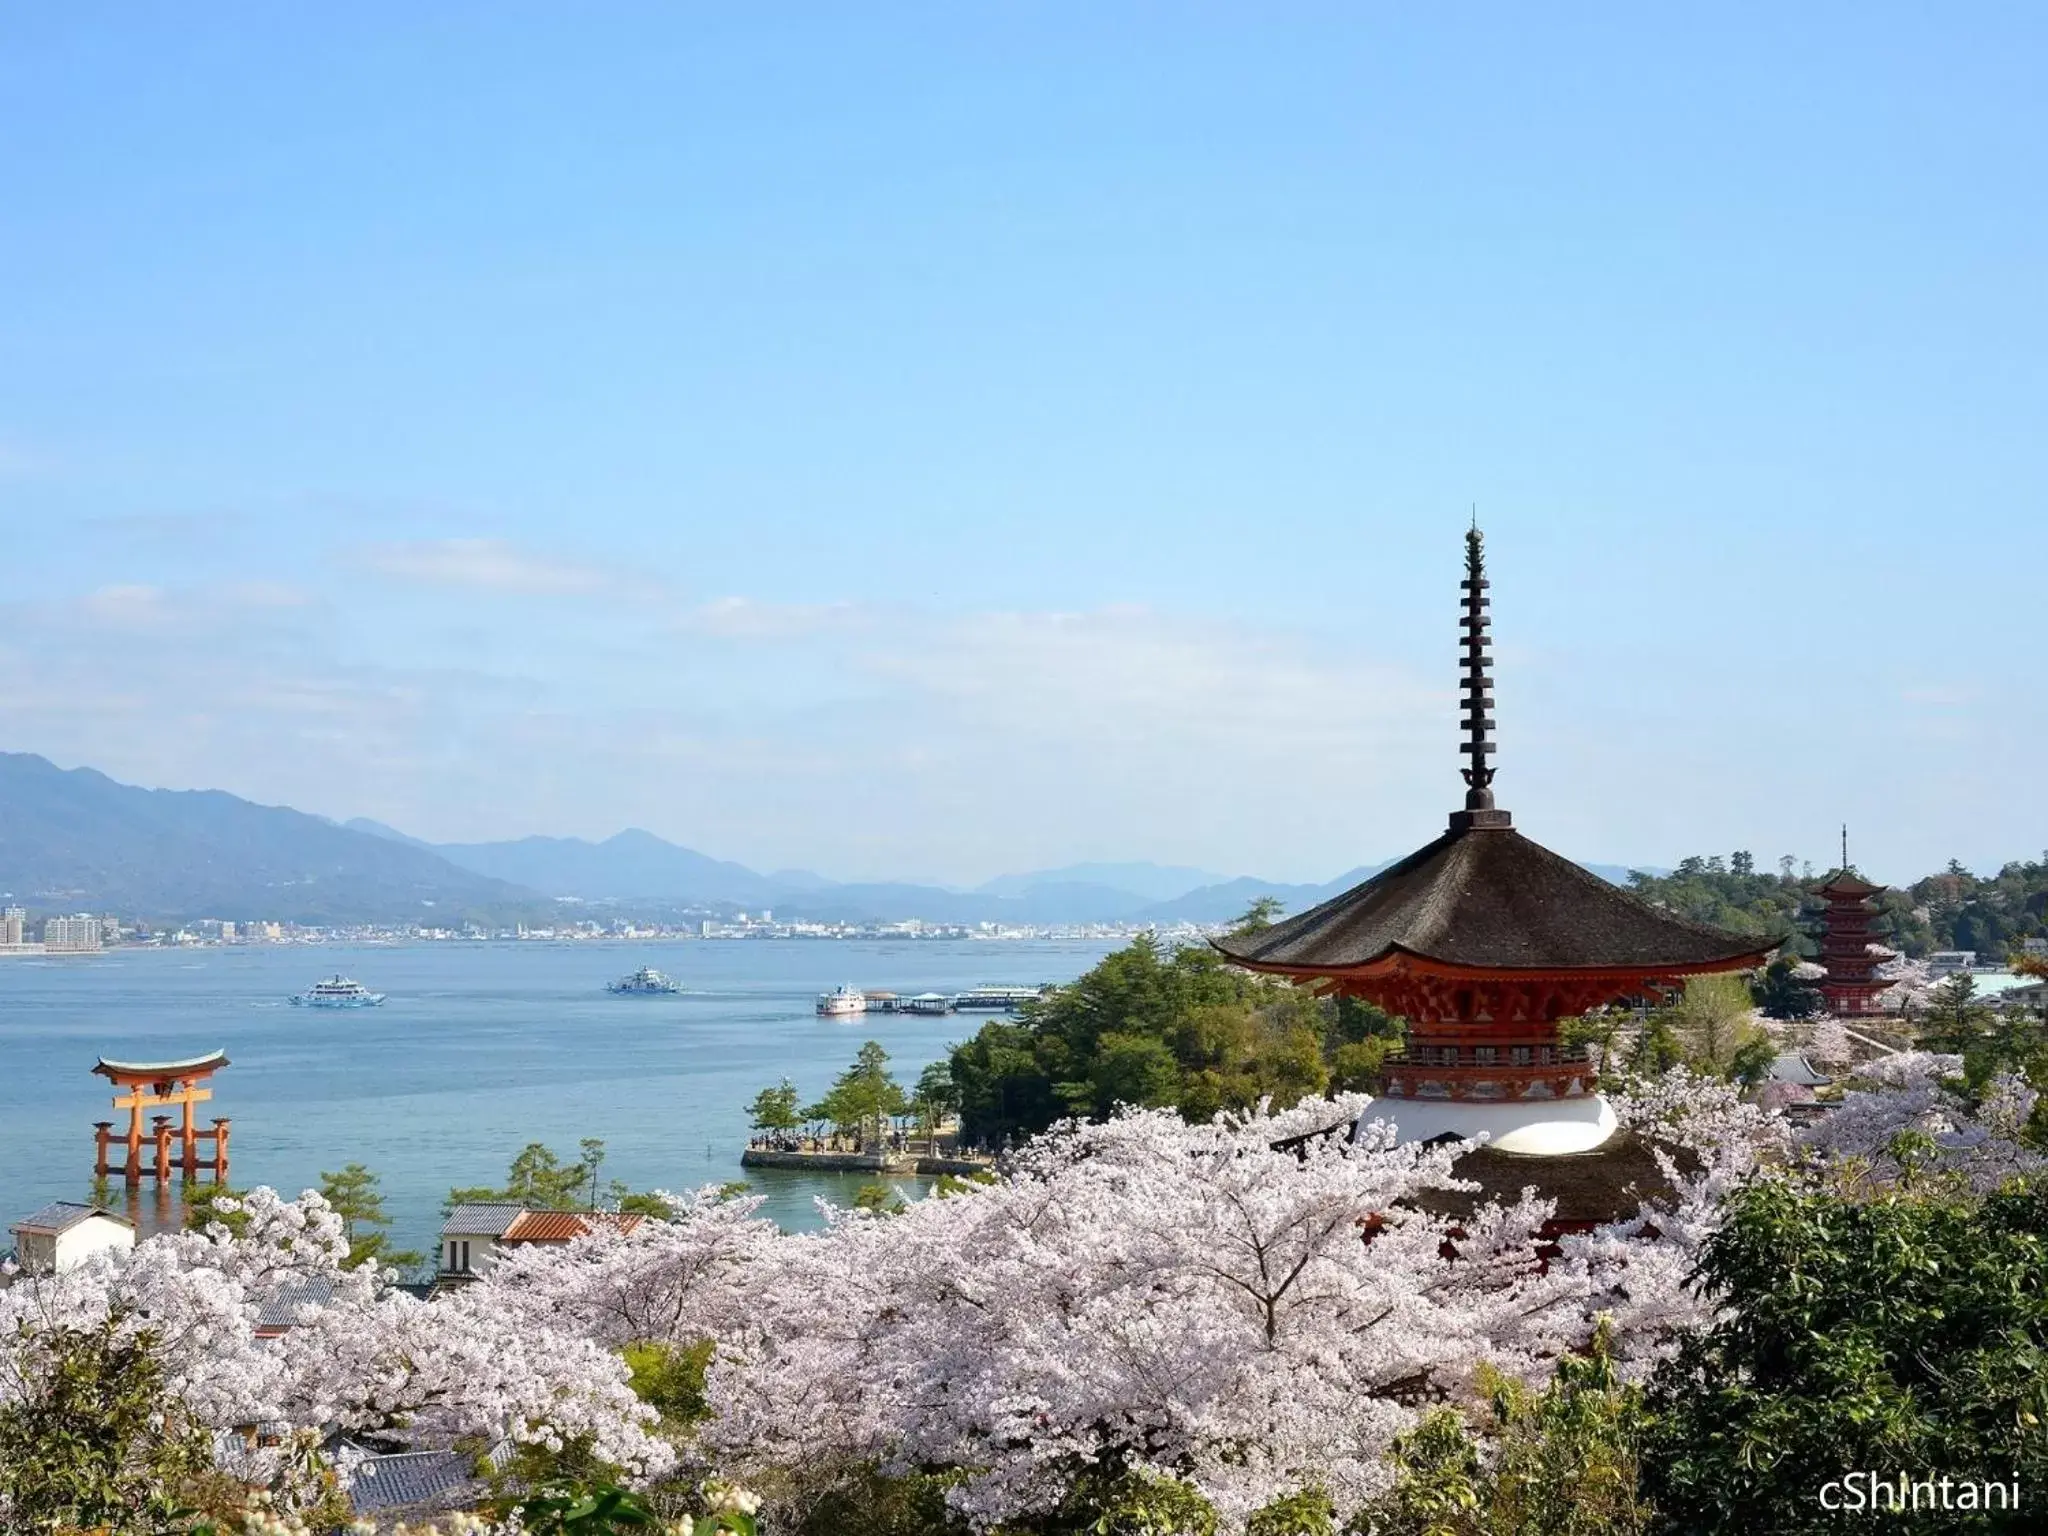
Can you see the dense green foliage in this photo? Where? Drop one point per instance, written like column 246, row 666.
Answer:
column 1991, row 915
column 1953, row 909
column 1904, row 1333
column 582, row 1508
column 1990, row 1040
column 863, row 1096
column 203, row 1208
column 96, row 1443
column 1733, row 893
column 1154, row 1026
column 359, row 1203
column 776, row 1110
column 1560, row 1462
column 541, row 1181
column 669, row 1378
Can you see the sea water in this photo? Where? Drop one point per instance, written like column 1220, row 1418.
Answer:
column 478, row 1049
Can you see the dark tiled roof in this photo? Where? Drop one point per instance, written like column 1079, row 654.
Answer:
column 61, row 1216
column 1488, row 897
column 409, row 1478
column 481, row 1220
column 1849, row 883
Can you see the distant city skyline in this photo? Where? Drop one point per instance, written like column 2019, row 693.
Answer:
column 945, row 443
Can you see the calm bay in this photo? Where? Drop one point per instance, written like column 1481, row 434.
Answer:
column 479, row 1049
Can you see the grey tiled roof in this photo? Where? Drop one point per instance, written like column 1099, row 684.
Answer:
column 408, row 1478
column 1793, row 1067
column 481, row 1220
column 281, row 1309
column 61, row 1216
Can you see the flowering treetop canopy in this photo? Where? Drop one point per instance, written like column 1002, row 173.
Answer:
column 1482, row 901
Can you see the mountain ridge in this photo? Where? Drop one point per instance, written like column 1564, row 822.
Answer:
column 75, row 838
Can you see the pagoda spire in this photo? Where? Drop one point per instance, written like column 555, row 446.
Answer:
column 1478, row 691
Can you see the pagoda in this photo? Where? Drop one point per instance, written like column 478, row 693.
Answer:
column 1852, row 985
column 1485, row 942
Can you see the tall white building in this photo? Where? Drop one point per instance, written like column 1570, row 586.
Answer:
column 12, row 927
column 71, row 935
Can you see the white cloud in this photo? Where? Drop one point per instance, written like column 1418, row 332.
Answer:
column 742, row 618
column 864, row 741
column 491, row 565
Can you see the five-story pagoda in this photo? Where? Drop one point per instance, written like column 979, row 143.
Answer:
column 1484, row 942
column 1852, row 985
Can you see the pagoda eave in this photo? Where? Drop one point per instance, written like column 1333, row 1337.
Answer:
column 1398, row 964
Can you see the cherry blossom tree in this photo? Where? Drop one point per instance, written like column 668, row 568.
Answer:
column 1188, row 1301
column 358, row 1354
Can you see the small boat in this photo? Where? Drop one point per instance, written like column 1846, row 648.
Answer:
column 928, row 1002
column 645, row 982
column 338, row 992
column 841, row 1001
column 996, row 999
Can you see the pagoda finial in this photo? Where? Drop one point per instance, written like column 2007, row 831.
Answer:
column 1478, row 689
column 1845, row 847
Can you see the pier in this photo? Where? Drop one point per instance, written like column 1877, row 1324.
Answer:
column 929, row 1164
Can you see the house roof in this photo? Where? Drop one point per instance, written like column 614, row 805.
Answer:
column 1484, row 897
column 280, row 1310
column 563, row 1226
column 481, row 1220
column 406, row 1478
column 1793, row 1067
column 60, row 1216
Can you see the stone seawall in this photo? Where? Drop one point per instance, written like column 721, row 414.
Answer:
column 897, row 1163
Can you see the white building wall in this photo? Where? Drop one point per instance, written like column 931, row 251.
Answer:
column 96, row 1234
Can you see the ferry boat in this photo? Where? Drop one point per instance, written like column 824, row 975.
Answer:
column 645, row 982
column 841, row 1001
column 338, row 992
column 995, row 999
column 927, row 1002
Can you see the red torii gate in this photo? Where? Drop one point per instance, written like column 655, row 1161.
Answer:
column 164, row 1085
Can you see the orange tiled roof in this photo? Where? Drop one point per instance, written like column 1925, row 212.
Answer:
column 562, row 1226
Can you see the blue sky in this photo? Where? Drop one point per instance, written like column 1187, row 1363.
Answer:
column 936, row 440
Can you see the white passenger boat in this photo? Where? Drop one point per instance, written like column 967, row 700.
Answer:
column 842, row 1001
column 338, row 992
column 645, row 982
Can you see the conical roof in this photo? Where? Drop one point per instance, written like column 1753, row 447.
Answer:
column 1487, row 898
column 1846, row 882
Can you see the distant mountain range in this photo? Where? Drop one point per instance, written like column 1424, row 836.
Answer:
column 75, row 839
